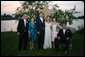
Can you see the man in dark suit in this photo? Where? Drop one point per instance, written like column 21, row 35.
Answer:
column 40, row 25
column 22, row 31
column 64, row 36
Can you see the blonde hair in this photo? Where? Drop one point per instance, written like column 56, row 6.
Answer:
column 49, row 19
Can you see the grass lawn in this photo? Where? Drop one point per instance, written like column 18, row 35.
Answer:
column 9, row 44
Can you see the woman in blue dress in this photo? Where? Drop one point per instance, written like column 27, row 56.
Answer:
column 32, row 33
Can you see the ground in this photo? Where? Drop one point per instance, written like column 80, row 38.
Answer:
column 9, row 44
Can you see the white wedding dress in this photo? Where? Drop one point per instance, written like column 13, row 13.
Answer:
column 47, row 40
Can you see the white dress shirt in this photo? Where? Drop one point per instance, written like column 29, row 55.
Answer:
column 64, row 30
column 41, row 19
column 25, row 22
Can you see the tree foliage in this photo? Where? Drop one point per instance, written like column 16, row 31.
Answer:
column 65, row 16
column 31, row 8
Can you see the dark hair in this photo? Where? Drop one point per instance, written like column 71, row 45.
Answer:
column 32, row 17
column 25, row 14
column 53, row 18
column 41, row 12
column 48, row 16
column 64, row 23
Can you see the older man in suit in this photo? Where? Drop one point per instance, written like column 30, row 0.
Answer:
column 64, row 36
column 22, row 31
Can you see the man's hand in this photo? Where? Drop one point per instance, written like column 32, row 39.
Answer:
column 58, row 37
column 67, row 38
column 18, row 33
column 38, row 33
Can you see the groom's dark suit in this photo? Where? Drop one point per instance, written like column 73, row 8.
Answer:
column 40, row 28
column 23, row 30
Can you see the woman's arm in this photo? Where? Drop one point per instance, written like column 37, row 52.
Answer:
column 59, row 26
column 29, row 34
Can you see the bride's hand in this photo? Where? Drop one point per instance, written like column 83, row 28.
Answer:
column 45, row 19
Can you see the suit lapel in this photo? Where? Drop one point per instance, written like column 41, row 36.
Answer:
column 62, row 32
column 23, row 23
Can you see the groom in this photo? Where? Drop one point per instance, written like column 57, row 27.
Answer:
column 40, row 25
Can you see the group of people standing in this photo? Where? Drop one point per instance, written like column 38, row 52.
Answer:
column 44, row 30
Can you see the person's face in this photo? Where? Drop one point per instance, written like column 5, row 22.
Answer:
column 64, row 26
column 48, row 19
column 41, row 14
column 25, row 16
column 32, row 20
column 54, row 20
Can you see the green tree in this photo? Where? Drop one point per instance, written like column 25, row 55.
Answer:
column 65, row 16
column 31, row 8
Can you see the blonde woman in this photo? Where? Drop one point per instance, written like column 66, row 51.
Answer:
column 47, row 40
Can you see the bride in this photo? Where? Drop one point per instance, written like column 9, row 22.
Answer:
column 47, row 40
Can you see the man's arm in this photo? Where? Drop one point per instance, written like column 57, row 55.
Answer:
column 37, row 26
column 18, row 27
column 69, row 35
column 59, row 34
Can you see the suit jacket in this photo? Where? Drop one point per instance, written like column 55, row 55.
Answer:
column 68, row 33
column 39, row 25
column 21, row 27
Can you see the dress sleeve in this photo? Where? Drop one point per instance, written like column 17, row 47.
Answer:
column 59, row 26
